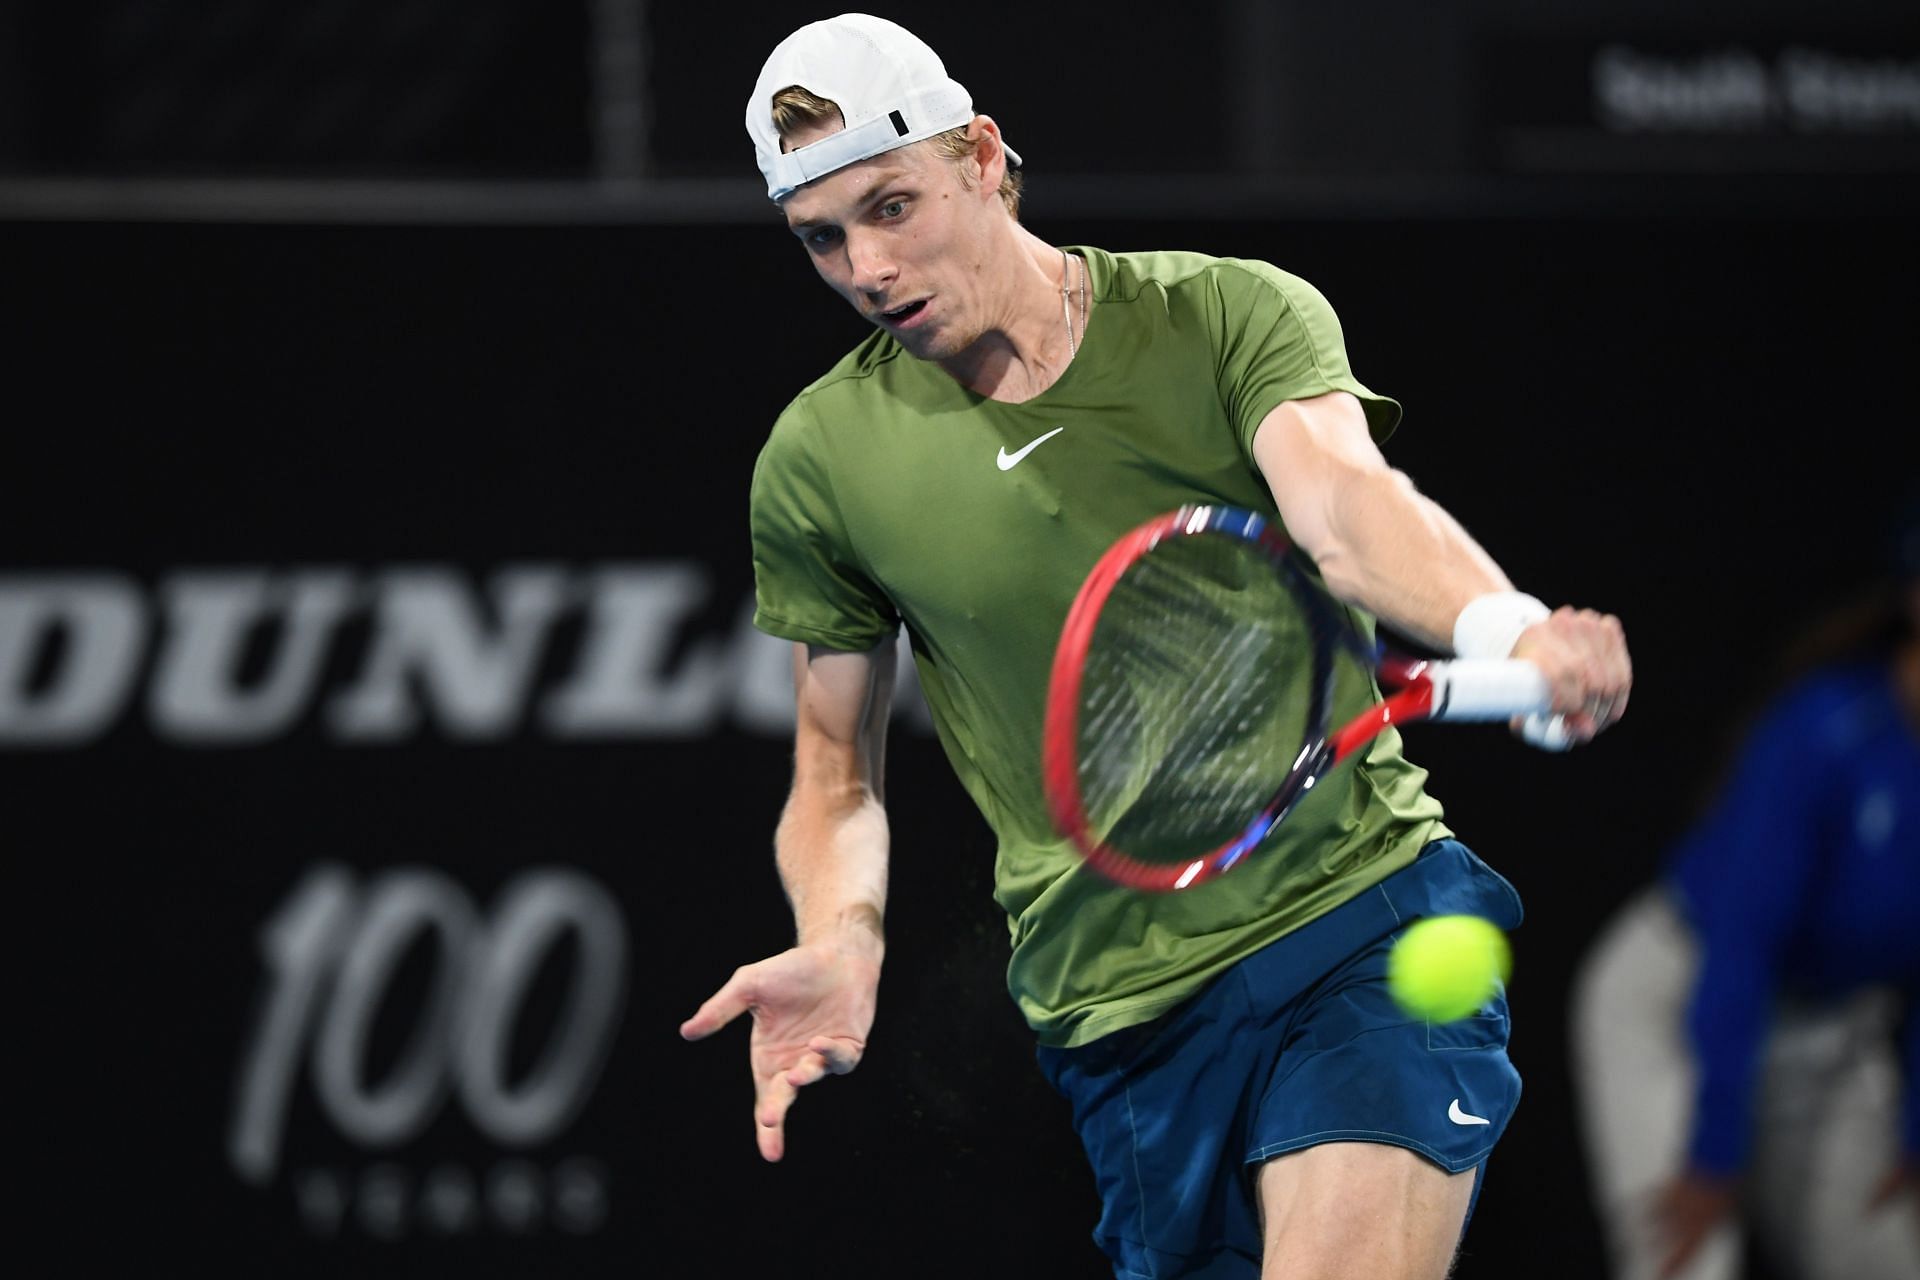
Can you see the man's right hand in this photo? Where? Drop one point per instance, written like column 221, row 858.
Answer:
column 812, row 1007
column 1584, row 657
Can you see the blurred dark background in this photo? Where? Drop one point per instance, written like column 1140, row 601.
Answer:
column 384, row 384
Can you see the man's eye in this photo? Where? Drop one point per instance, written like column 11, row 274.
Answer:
column 893, row 208
column 823, row 237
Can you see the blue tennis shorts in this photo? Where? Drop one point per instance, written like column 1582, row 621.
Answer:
column 1296, row 1045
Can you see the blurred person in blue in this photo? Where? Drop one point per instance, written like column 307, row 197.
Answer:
column 1746, row 1042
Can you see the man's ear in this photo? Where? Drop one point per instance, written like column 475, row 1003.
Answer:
column 989, row 155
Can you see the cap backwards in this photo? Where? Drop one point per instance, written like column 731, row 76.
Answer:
column 891, row 89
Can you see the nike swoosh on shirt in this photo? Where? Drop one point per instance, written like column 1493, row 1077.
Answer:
column 1008, row 461
column 1455, row 1114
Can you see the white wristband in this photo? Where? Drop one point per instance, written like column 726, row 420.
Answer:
column 1491, row 624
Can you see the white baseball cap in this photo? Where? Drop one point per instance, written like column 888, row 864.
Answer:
column 891, row 89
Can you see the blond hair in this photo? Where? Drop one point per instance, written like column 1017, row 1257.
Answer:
column 795, row 111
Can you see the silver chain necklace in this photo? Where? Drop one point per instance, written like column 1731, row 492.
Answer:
column 1066, row 292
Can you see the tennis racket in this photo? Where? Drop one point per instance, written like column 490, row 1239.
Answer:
column 1177, row 732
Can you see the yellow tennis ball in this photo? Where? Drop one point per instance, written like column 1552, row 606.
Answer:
column 1445, row 967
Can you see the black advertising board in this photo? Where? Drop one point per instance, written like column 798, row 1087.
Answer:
column 391, row 767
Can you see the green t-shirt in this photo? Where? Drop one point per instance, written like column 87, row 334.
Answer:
column 882, row 497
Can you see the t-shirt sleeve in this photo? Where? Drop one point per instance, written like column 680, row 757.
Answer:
column 1278, row 339
column 808, row 584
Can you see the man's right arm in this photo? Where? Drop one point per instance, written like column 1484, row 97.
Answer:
column 813, row 1004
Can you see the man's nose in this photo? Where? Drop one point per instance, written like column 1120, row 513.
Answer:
column 872, row 266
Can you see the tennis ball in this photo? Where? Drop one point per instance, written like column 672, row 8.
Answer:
column 1445, row 967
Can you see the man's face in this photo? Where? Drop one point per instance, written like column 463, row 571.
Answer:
column 900, row 237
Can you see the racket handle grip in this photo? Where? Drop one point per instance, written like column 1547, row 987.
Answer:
column 1547, row 732
column 1499, row 689
column 1487, row 689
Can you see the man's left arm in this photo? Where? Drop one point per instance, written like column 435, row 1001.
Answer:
column 1383, row 545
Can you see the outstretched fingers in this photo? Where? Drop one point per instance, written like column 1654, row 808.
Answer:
column 810, row 1008
column 722, row 1007
column 824, row 1056
column 773, row 1091
column 773, row 1095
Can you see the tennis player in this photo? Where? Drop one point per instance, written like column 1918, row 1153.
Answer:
column 1251, row 1100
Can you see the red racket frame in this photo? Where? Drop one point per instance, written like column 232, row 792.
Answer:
column 1321, row 751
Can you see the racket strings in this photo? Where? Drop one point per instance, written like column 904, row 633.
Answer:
column 1190, row 709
